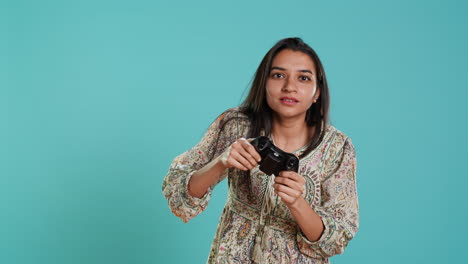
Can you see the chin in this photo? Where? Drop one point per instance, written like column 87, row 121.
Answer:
column 290, row 114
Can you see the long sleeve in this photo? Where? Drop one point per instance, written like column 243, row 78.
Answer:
column 220, row 134
column 339, row 209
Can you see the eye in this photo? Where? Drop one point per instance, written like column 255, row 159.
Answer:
column 304, row 78
column 277, row 75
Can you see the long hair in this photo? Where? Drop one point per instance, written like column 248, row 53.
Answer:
column 256, row 107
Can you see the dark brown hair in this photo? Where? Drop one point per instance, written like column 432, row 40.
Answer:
column 256, row 107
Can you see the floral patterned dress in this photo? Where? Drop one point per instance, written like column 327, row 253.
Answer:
column 254, row 218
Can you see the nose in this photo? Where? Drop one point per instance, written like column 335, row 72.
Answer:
column 289, row 85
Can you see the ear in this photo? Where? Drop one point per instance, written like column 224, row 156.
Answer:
column 317, row 94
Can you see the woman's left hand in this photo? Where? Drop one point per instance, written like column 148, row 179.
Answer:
column 289, row 185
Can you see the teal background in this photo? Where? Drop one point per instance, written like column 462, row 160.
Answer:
column 98, row 97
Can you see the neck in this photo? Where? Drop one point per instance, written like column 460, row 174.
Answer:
column 291, row 134
column 287, row 128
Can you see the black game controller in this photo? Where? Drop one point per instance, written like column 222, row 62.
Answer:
column 274, row 159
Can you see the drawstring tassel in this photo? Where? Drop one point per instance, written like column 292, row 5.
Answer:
column 265, row 236
column 257, row 254
column 261, row 239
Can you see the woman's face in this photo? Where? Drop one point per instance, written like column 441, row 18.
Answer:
column 291, row 87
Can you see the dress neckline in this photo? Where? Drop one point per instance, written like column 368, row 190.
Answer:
column 297, row 150
column 326, row 131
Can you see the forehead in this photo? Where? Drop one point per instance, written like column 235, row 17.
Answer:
column 293, row 60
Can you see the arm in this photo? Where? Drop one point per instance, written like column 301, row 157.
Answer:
column 339, row 210
column 205, row 177
column 193, row 174
column 326, row 230
column 241, row 155
column 184, row 166
column 290, row 186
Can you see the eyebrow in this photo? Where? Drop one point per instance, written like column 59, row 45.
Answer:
column 283, row 69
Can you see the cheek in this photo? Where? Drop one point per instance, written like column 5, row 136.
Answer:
column 308, row 93
column 268, row 97
column 270, row 91
column 308, row 96
column 274, row 85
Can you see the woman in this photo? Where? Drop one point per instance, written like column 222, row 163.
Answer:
column 303, row 217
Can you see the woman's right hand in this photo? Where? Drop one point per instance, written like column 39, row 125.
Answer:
column 241, row 155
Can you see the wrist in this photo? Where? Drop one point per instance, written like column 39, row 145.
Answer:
column 220, row 164
column 298, row 204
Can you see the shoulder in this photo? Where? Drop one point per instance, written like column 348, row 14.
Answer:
column 232, row 116
column 336, row 137
column 338, row 146
column 337, row 142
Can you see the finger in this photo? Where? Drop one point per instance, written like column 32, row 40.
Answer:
column 240, row 147
column 287, row 174
column 293, row 175
column 250, row 149
column 248, row 157
column 241, row 159
column 245, row 155
column 287, row 190
column 285, row 197
column 290, row 183
column 234, row 163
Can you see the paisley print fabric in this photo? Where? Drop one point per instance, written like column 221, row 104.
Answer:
column 330, row 173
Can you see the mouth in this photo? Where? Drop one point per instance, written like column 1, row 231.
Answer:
column 289, row 100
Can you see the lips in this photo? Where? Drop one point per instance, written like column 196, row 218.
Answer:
column 289, row 100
